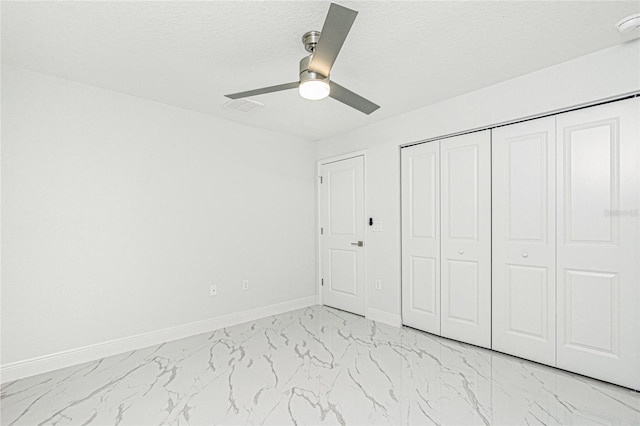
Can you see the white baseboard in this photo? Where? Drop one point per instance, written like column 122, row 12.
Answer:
column 384, row 317
column 55, row 361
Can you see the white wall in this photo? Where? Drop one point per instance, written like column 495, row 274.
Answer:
column 119, row 212
column 600, row 75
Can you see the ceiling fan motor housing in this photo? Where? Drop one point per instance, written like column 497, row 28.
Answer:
column 306, row 75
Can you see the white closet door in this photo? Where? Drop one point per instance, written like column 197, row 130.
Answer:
column 465, row 164
column 523, row 275
column 421, row 237
column 598, row 189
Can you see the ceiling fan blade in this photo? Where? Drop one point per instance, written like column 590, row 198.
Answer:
column 347, row 97
column 334, row 31
column 264, row 90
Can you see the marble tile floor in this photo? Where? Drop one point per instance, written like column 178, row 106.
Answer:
column 314, row 366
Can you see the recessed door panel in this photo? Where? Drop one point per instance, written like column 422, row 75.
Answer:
column 598, row 190
column 463, row 291
column 422, row 186
column 342, row 222
column 422, row 279
column 462, row 192
column 421, row 237
column 342, row 188
column 591, row 186
column 526, row 302
column 343, row 266
column 523, row 200
column 465, row 163
column 527, row 182
column 587, row 292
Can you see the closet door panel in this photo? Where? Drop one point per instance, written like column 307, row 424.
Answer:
column 466, row 238
column 421, row 237
column 598, row 190
column 523, row 212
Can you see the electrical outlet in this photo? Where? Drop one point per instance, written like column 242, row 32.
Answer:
column 213, row 290
column 245, row 285
column 378, row 285
column 377, row 226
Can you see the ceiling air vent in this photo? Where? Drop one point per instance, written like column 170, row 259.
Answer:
column 242, row 105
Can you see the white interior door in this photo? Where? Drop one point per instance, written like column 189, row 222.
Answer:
column 421, row 237
column 523, row 253
column 465, row 165
column 342, row 240
column 598, row 190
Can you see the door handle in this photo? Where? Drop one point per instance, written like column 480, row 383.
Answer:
column 359, row 244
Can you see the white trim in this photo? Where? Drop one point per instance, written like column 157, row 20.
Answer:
column 399, row 238
column 557, row 111
column 362, row 152
column 367, row 233
column 318, row 235
column 393, row 320
column 42, row 364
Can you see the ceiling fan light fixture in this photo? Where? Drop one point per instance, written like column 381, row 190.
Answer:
column 314, row 90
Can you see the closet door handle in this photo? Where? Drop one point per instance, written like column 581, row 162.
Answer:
column 359, row 244
column 525, row 254
column 460, row 251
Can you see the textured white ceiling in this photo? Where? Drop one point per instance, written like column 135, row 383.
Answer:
column 401, row 55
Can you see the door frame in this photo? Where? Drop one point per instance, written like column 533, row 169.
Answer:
column 319, row 164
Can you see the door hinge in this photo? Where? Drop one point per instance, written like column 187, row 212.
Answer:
column 321, row 231
column 320, row 179
column 322, row 282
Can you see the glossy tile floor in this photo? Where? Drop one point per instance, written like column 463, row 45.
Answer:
column 314, row 366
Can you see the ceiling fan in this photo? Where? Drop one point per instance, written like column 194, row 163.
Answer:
column 324, row 47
